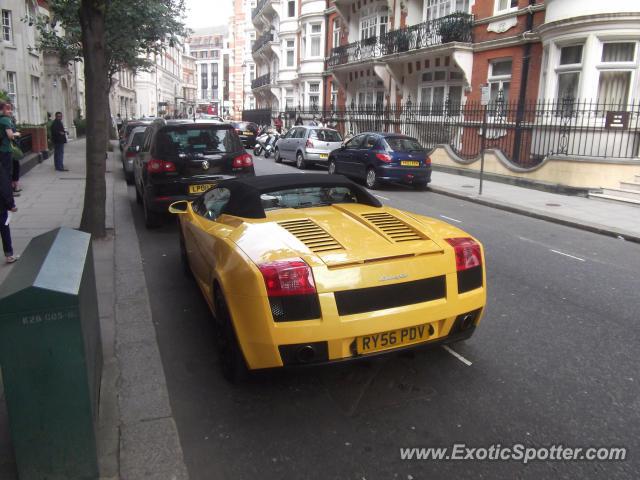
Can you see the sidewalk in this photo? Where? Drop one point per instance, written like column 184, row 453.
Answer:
column 585, row 213
column 137, row 437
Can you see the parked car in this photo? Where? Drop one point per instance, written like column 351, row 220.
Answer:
column 126, row 129
column 307, row 145
column 180, row 159
column 383, row 157
column 135, row 140
column 247, row 131
column 292, row 280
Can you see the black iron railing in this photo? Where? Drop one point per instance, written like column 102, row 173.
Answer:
column 526, row 133
column 456, row 27
column 261, row 81
column 262, row 40
column 260, row 5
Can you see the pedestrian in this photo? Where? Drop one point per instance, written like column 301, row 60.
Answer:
column 278, row 123
column 59, row 137
column 7, row 204
column 299, row 121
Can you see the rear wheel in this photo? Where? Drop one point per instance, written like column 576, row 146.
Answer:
column 277, row 157
column 332, row 167
column 232, row 363
column 419, row 186
column 300, row 163
column 372, row 179
column 257, row 150
column 138, row 196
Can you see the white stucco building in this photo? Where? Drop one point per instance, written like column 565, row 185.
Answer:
column 158, row 92
column 289, row 53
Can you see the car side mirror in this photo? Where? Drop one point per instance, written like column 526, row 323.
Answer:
column 343, row 147
column 179, row 207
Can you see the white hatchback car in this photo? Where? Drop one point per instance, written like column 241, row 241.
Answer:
column 307, row 145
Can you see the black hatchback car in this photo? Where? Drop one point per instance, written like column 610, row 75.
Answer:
column 181, row 159
column 247, row 131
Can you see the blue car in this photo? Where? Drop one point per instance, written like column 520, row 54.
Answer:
column 383, row 157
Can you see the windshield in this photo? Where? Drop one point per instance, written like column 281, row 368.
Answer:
column 197, row 139
column 307, row 197
column 325, row 135
column 400, row 144
column 138, row 139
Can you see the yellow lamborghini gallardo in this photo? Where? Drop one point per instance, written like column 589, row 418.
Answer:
column 309, row 269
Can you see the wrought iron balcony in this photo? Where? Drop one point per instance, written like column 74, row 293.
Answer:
column 456, row 27
column 261, row 81
column 260, row 5
column 262, row 40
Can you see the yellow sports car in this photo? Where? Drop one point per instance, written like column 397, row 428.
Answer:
column 308, row 269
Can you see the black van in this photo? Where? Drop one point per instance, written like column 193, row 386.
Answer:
column 180, row 159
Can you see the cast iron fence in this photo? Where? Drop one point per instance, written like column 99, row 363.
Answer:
column 456, row 27
column 262, row 41
column 259, row 6
column 525, row 133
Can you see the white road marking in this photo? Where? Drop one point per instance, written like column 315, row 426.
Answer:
column 567, row 255
column 380, row 196
column 452, row 219
column 457, row 355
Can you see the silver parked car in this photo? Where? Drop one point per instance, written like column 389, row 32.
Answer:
column 307, row 145
column 134, row 142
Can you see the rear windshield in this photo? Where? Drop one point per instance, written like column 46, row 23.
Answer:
column 138, row 139
column 400, row 144
column 325, row 135
column 197, row 139
column 307, row 197
column 246, row 126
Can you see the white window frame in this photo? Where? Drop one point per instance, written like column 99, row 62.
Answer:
column 12, row 81
column 290, row 49
column 314, row 93
column 500, row 80
column 374, row 22
column 434, row 9
column 570, row 67
column 287, row 9
column 630, row 67
column 431, row 84
column 499, row 11
column 313, row 36
column 35, row 100
column 7, row 25
column 336, row 32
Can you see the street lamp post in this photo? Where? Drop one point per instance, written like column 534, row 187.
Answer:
column 244, row 71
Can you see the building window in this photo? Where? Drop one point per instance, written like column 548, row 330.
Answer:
column 214, row 80
column 316, row 30
column 289, row 99
column 569, row 71
column 434, row 9
column 7, row 29
column 12, row 92
column 334, row 96
column 368, row 27
column 506, row 5
column 617, row 64
column 204, row 78
column 290, row 47
column 500, row 79
column 215, row 53
column 336, row 32
column 314, row 94
column 35, row 99
column 291, row 8
column 373, row 22
column 252, row 71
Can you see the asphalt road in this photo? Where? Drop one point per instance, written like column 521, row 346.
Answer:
column 554, row 361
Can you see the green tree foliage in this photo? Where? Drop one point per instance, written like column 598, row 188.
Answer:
column 135, row 30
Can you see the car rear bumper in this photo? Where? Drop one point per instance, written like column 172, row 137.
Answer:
column 160, row 195
column 408, row 175
column 317, row 157
column 248, row 141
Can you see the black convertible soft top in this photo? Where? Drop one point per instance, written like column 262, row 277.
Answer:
column 246, row 191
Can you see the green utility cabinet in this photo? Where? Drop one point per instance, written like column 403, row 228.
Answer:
column 51, row 357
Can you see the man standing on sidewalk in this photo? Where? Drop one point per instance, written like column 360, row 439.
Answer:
column 59, row 137
column 7, row 204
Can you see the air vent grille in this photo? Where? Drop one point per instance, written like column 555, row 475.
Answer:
column 392, row 227
column 312, row 235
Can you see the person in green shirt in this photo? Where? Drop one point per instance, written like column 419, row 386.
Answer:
column 7, row 203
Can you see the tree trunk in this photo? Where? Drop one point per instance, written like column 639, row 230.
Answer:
column 92, row 22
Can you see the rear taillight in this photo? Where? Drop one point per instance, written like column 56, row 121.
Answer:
column 285, row 278
column 467, row 252
column 244, row 160
column 309, row 144
column 427, row 161
column 159, row 166
column 384, row 157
